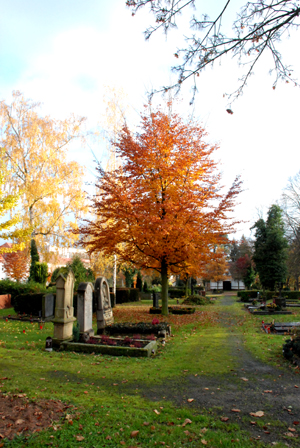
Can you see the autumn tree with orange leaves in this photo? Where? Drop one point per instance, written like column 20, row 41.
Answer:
column 16, row 265
column 163, row 209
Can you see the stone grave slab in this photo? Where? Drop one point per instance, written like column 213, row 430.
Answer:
column 85, row 308
column 64, row 311
column 104, row 310
column 48, row 305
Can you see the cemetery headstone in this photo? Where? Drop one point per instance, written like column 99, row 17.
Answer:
column 85, row 308
column 48, row 303
column 155, row 300
column 104, row 310
column 64, row 311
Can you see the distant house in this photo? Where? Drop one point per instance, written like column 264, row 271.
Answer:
column 227, row 285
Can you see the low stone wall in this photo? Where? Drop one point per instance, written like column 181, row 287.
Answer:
column 5, row 301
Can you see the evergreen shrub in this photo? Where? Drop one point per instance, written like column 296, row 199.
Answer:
column 126, row 295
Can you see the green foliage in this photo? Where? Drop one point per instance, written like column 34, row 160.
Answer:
column 197, row 300
column 126, row 295
column 40, row 272
column 55, row 274
column 139, row 281
column 249, row 277
column 270, row 249
column 15, row 288
column 76, row 331
column 145, row 287
column 29, row 303
column 136, row 328
column 129, row 272
column 81, row 273
column 156, row 281
column 176, row 293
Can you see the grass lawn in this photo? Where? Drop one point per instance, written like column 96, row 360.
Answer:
column 108, row 406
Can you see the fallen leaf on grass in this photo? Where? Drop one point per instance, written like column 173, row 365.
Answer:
column 85, row 392
column 235, row 410
column 268, row 391
column 204, row 442
column 292, row 429
column 224, row 419
column 108, row 437
column 186, row 432
column 122, row 442
column 257, row 414
column 296, row 387
column 146, row 424
column 289, row 434
column 79, row 438
column 20, row 421
column 203, row 430
column 156, row 411
column 190, row 400
column 134, row 433
column 187, row 421
column 296, row 423
column 244, row 379
column 253, row 423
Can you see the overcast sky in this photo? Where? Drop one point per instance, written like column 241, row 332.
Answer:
column 64, row 52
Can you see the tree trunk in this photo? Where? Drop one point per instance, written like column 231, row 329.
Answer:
column 164, row 287
column 186, row 287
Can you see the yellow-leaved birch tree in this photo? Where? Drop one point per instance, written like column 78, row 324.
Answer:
column 49, row 186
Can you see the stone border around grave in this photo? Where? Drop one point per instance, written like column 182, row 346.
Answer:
column 147, row 351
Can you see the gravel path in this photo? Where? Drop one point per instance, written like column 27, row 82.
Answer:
column 268, row 389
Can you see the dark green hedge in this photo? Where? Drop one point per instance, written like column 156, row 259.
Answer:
column 29, row 304
column 17, row 288
column 173, row 310
column 126, row 295
column 268, row 295
column 175, row 293
column 137, row 328
column 196, row 299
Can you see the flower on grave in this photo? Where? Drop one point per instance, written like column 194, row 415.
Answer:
column 23, row 331
column 41, row 327
column 155, row 321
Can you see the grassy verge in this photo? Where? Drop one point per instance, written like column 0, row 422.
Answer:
column 110, row 408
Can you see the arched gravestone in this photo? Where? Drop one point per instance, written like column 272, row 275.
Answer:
column 64, row 311
column 85, row 308
column 104, row 310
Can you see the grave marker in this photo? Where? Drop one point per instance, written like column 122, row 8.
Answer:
column 104, row 310
column 64, row 311
column 85, row 308
column 48, row 303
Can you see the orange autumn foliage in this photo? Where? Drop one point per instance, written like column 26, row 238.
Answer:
column 164, row 208
column 16, row 265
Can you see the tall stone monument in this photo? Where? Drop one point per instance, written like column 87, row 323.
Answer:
column 64, row 311
column 104, row 310
column 85, row 308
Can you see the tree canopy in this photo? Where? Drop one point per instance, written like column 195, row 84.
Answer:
column 164, row 208
column 270, row 249
column 257, row 29
column 38, row 172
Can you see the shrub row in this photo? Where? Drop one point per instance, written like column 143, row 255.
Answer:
column 137, row 328
column 173, row 310
column 267, row 295
column 196, row 299
column 16, row 288
column 175, row 293
column 125, row 295
column 29, row 304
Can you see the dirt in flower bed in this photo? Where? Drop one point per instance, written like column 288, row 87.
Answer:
column 19, row 416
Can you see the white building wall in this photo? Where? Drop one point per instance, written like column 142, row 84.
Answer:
column 237, row 284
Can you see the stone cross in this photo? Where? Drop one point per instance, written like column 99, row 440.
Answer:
column 85, row 308
column 64, row 311
column 104, row 310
